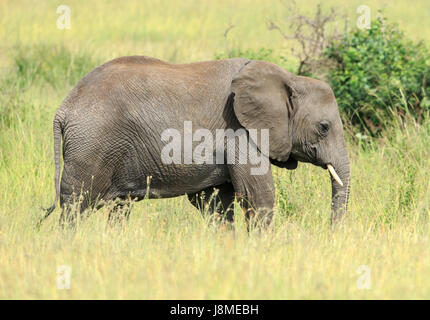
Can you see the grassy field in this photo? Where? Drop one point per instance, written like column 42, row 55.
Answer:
column 168, row 249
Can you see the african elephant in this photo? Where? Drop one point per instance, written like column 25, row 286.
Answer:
column 113, row 124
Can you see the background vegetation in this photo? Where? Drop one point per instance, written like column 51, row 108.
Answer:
column 379, row 74
column 168, row 249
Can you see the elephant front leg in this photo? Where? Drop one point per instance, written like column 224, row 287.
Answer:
column 256, row 194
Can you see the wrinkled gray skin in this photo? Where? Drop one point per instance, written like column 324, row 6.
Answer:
column 111, row 125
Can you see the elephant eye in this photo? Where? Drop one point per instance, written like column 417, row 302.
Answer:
column 323, row 127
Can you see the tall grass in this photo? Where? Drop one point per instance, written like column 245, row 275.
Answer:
column 168, row 249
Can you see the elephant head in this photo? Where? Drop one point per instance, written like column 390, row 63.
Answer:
column 303, row 119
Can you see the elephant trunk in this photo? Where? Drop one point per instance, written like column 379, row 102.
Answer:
column 340, row 193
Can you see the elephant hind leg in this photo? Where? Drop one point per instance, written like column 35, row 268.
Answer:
column 119, row 214
column 218, row 199
column 76, row 198
column 72, row 211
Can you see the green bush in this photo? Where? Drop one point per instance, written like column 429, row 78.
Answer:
column 377, row 74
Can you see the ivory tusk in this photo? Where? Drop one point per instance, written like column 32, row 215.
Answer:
column 334, row 174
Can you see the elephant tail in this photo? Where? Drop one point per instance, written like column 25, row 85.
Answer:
column 58, row 134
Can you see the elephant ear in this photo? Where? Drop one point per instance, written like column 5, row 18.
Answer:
column 262, row 100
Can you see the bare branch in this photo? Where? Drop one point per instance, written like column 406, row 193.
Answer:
column 313, row 34
column 227, row 30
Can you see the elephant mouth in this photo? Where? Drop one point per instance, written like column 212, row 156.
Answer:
column 290, row 164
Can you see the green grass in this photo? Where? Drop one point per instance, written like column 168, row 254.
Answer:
column 168, row 250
